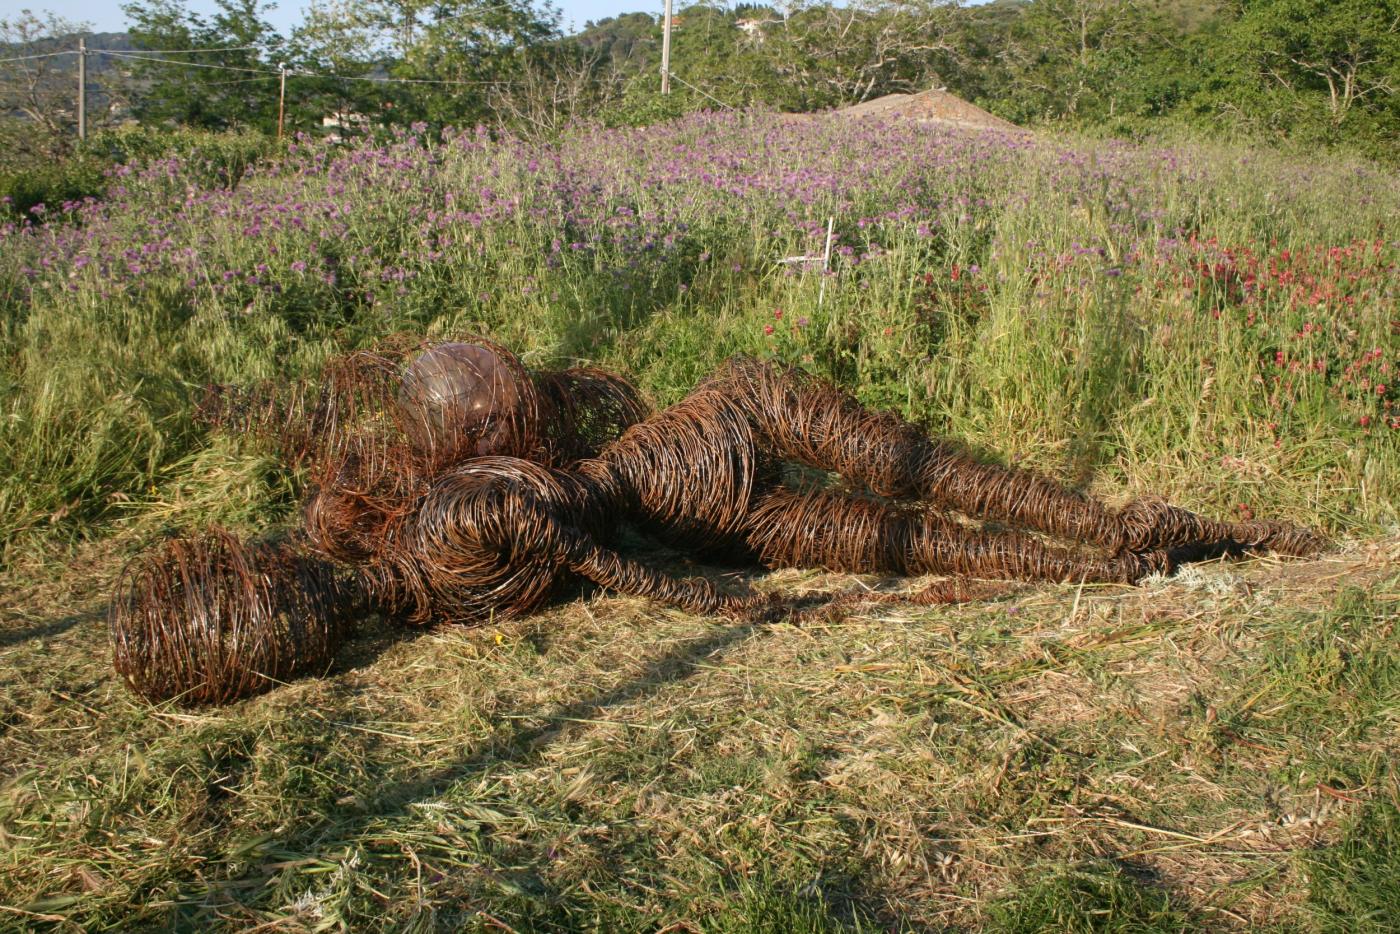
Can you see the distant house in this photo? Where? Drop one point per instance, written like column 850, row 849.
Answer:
column 753, row 28
column 339, row 122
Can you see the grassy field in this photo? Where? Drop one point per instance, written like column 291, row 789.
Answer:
column 1215, row 750
column 1208, row 752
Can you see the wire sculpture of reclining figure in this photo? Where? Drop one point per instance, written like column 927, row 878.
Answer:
column 451, row 485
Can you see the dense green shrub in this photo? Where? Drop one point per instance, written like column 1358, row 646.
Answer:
column 208, row 160
column 642, row 104
column 212, row 160
column 49, row 184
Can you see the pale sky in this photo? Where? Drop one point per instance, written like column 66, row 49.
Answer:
column 108, row 17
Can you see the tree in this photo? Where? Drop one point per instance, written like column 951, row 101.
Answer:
column 232, row 84
column 840, row 55
column 630, row 41
column 807, row 57
column 41, row 90
column 555, row 86
column 1074, row 59
column 467, row 47
column 344, row 39
column 1314, row 72
column 1344, row 52
column 442, row 62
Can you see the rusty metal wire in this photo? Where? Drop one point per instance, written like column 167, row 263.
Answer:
column 842, row 532
column 692, row 471
column 807, row 420
column 460, row 399
column 458, row 486
column 496, row 536
column 1154, row 523
column 207, row 619
column 703, row 475
column 585, row 409
column 832, row 530
column 487, row 536
column 797, row 417
column 429, row 405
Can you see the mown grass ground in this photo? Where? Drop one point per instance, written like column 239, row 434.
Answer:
column 1212, row 751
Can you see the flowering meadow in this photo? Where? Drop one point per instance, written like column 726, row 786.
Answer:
column 1211, row 324
column 1213, row 751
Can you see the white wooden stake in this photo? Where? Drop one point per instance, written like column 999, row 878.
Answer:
column 666, row 52
column 826, row 259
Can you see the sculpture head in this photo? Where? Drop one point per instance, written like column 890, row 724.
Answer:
column 462, row 400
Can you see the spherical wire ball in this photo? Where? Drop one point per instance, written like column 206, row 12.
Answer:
column 463, row 400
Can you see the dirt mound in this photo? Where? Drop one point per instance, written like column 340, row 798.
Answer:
column 934, row 106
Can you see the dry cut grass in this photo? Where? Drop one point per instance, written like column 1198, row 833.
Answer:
column 1211, row 751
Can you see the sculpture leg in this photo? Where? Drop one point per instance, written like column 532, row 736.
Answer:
column 810, row 421
column 842, row 532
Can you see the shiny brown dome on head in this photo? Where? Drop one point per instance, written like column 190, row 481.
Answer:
column 461, row 400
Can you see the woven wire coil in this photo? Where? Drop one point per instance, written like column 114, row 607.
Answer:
column 208, row 619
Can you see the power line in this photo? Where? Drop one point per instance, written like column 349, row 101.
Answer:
column 489, row 9
column 388, row 80
column 230, row 48
column 138, row 58
column 378, row 79
column 133, row 52
column 703, row 91
column 27, row 58
column 220, row 84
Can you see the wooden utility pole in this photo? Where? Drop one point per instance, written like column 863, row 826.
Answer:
column 281, row 99
column 666, row 52
column 82, row 89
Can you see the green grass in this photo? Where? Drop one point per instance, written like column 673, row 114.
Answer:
column 1352, row 882
column 1090, row 344
column 1092, row 898
column 1214, row 751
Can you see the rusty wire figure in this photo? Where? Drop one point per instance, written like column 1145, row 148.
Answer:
column 455, row 485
